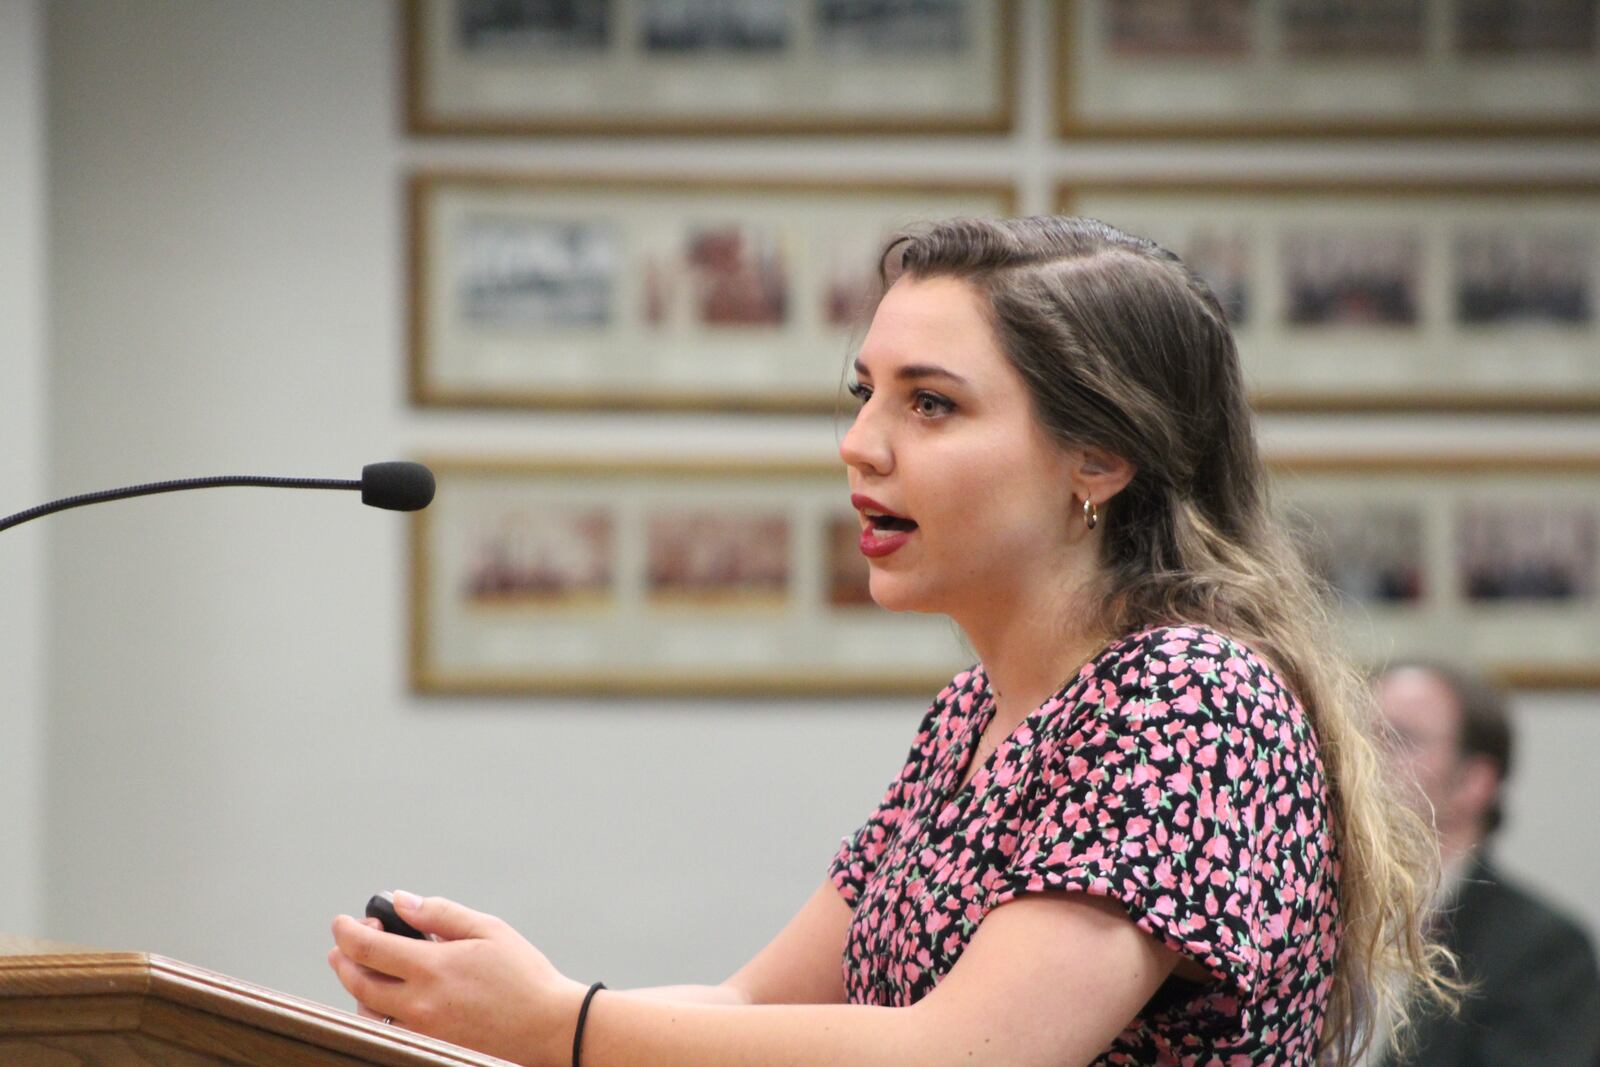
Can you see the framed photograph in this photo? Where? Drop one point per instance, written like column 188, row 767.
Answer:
column 527, row 67
column 605, row 294
column 656, row 577
column 1318, row 68
column 651, row 577
column 1352, row 28
column 1389, row 295
column 1527, row 27
column 1494, row 560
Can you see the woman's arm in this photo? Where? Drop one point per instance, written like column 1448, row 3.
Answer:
column 690, row 994
column 1048, row 980
column 804, row 964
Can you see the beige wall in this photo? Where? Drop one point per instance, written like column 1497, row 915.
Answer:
column 233, row 755
column 22, row 462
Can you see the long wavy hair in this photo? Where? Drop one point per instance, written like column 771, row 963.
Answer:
column 1124, row 348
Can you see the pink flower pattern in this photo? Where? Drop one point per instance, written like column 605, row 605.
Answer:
column 1175, row 774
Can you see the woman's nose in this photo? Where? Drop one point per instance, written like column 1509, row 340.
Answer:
column 865, row 445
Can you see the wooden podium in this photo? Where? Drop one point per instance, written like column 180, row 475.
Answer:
column 62, row 1006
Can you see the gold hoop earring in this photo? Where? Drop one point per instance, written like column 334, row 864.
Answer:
column 1091, row 513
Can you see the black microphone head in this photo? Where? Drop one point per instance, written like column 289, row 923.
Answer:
column 398, row 485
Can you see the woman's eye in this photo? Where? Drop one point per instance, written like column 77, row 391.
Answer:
column 931, row 405
column 861, row 392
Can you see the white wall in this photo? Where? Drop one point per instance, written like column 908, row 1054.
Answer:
column 1550, row 840
column 233, row 755
column 22, row 473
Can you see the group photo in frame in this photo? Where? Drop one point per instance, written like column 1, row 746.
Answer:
column 688, row 294
column 1486, row 559
column 1284, row 68
column 544, row 576
column 1388, row 295
column 528, row 67
column 656, row 576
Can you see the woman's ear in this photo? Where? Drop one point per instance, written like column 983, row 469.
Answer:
column 1101, row 475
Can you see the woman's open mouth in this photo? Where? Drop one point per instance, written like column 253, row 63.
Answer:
column 884, row 531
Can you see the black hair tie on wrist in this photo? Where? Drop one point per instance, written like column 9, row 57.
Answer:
column 583, row 1013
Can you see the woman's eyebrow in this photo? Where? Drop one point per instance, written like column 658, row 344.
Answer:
column 917, row 370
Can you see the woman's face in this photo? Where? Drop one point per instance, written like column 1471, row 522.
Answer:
column 946, row 439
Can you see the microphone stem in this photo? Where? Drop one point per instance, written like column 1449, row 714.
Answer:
column 173, row 486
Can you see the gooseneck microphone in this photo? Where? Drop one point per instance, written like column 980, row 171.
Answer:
column 397, row 485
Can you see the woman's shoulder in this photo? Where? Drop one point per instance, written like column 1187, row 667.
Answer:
column 1186, row 648
column 1183, row 668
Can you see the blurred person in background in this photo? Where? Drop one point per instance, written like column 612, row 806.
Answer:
column 1536, row 993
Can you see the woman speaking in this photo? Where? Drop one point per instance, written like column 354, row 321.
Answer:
column 1151, row 826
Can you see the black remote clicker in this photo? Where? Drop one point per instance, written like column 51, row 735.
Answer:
column 381, row 907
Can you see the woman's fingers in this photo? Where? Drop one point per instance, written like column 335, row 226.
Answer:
column 377, row 995
column 388, row 954
column 445, row 918
column 482, row 985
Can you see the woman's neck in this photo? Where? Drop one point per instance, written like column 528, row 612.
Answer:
column 1029, row 651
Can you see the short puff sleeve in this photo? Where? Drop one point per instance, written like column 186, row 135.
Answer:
column 1151, row 790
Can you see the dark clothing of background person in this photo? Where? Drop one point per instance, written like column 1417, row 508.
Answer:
column 1536, row 999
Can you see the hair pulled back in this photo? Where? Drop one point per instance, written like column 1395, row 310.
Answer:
column 1123, row 348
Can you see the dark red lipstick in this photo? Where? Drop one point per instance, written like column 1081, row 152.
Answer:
column 884, row 530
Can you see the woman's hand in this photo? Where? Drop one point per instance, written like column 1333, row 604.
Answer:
column 482, row 985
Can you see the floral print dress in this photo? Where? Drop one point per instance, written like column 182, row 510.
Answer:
column 1174, row 774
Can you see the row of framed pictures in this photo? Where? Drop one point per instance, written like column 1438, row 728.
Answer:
column 603, row 293
column 1123, row 68
column 546, row 576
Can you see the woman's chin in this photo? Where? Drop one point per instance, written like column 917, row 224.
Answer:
column 892, row 593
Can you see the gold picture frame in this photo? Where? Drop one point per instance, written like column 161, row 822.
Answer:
column 1392, row 294
column 1490, row 559
column 605, row 293
column 626, row 68
column 1213, row 69
column 640, row 576
column 637, row 576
